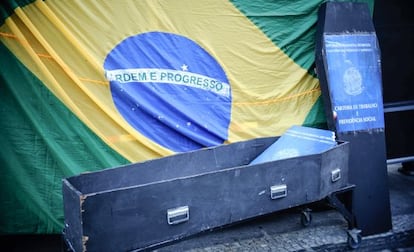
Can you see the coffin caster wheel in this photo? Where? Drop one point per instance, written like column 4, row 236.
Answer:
column 306, row 217
column 354, row 238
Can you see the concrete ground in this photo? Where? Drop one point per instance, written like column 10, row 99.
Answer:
column 281, row 231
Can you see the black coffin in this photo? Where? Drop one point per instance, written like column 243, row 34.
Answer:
column 143, row 205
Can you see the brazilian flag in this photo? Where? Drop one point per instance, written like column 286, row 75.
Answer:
column 88, row 85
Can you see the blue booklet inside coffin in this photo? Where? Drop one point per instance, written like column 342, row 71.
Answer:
column 298, row 141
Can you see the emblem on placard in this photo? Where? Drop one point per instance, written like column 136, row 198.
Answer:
column 353, row 81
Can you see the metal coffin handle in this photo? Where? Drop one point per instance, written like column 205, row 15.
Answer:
column 178, row 215
column 278, row 191
column 335, row 175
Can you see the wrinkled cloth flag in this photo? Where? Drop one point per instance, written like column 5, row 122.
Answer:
column 88, row 85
